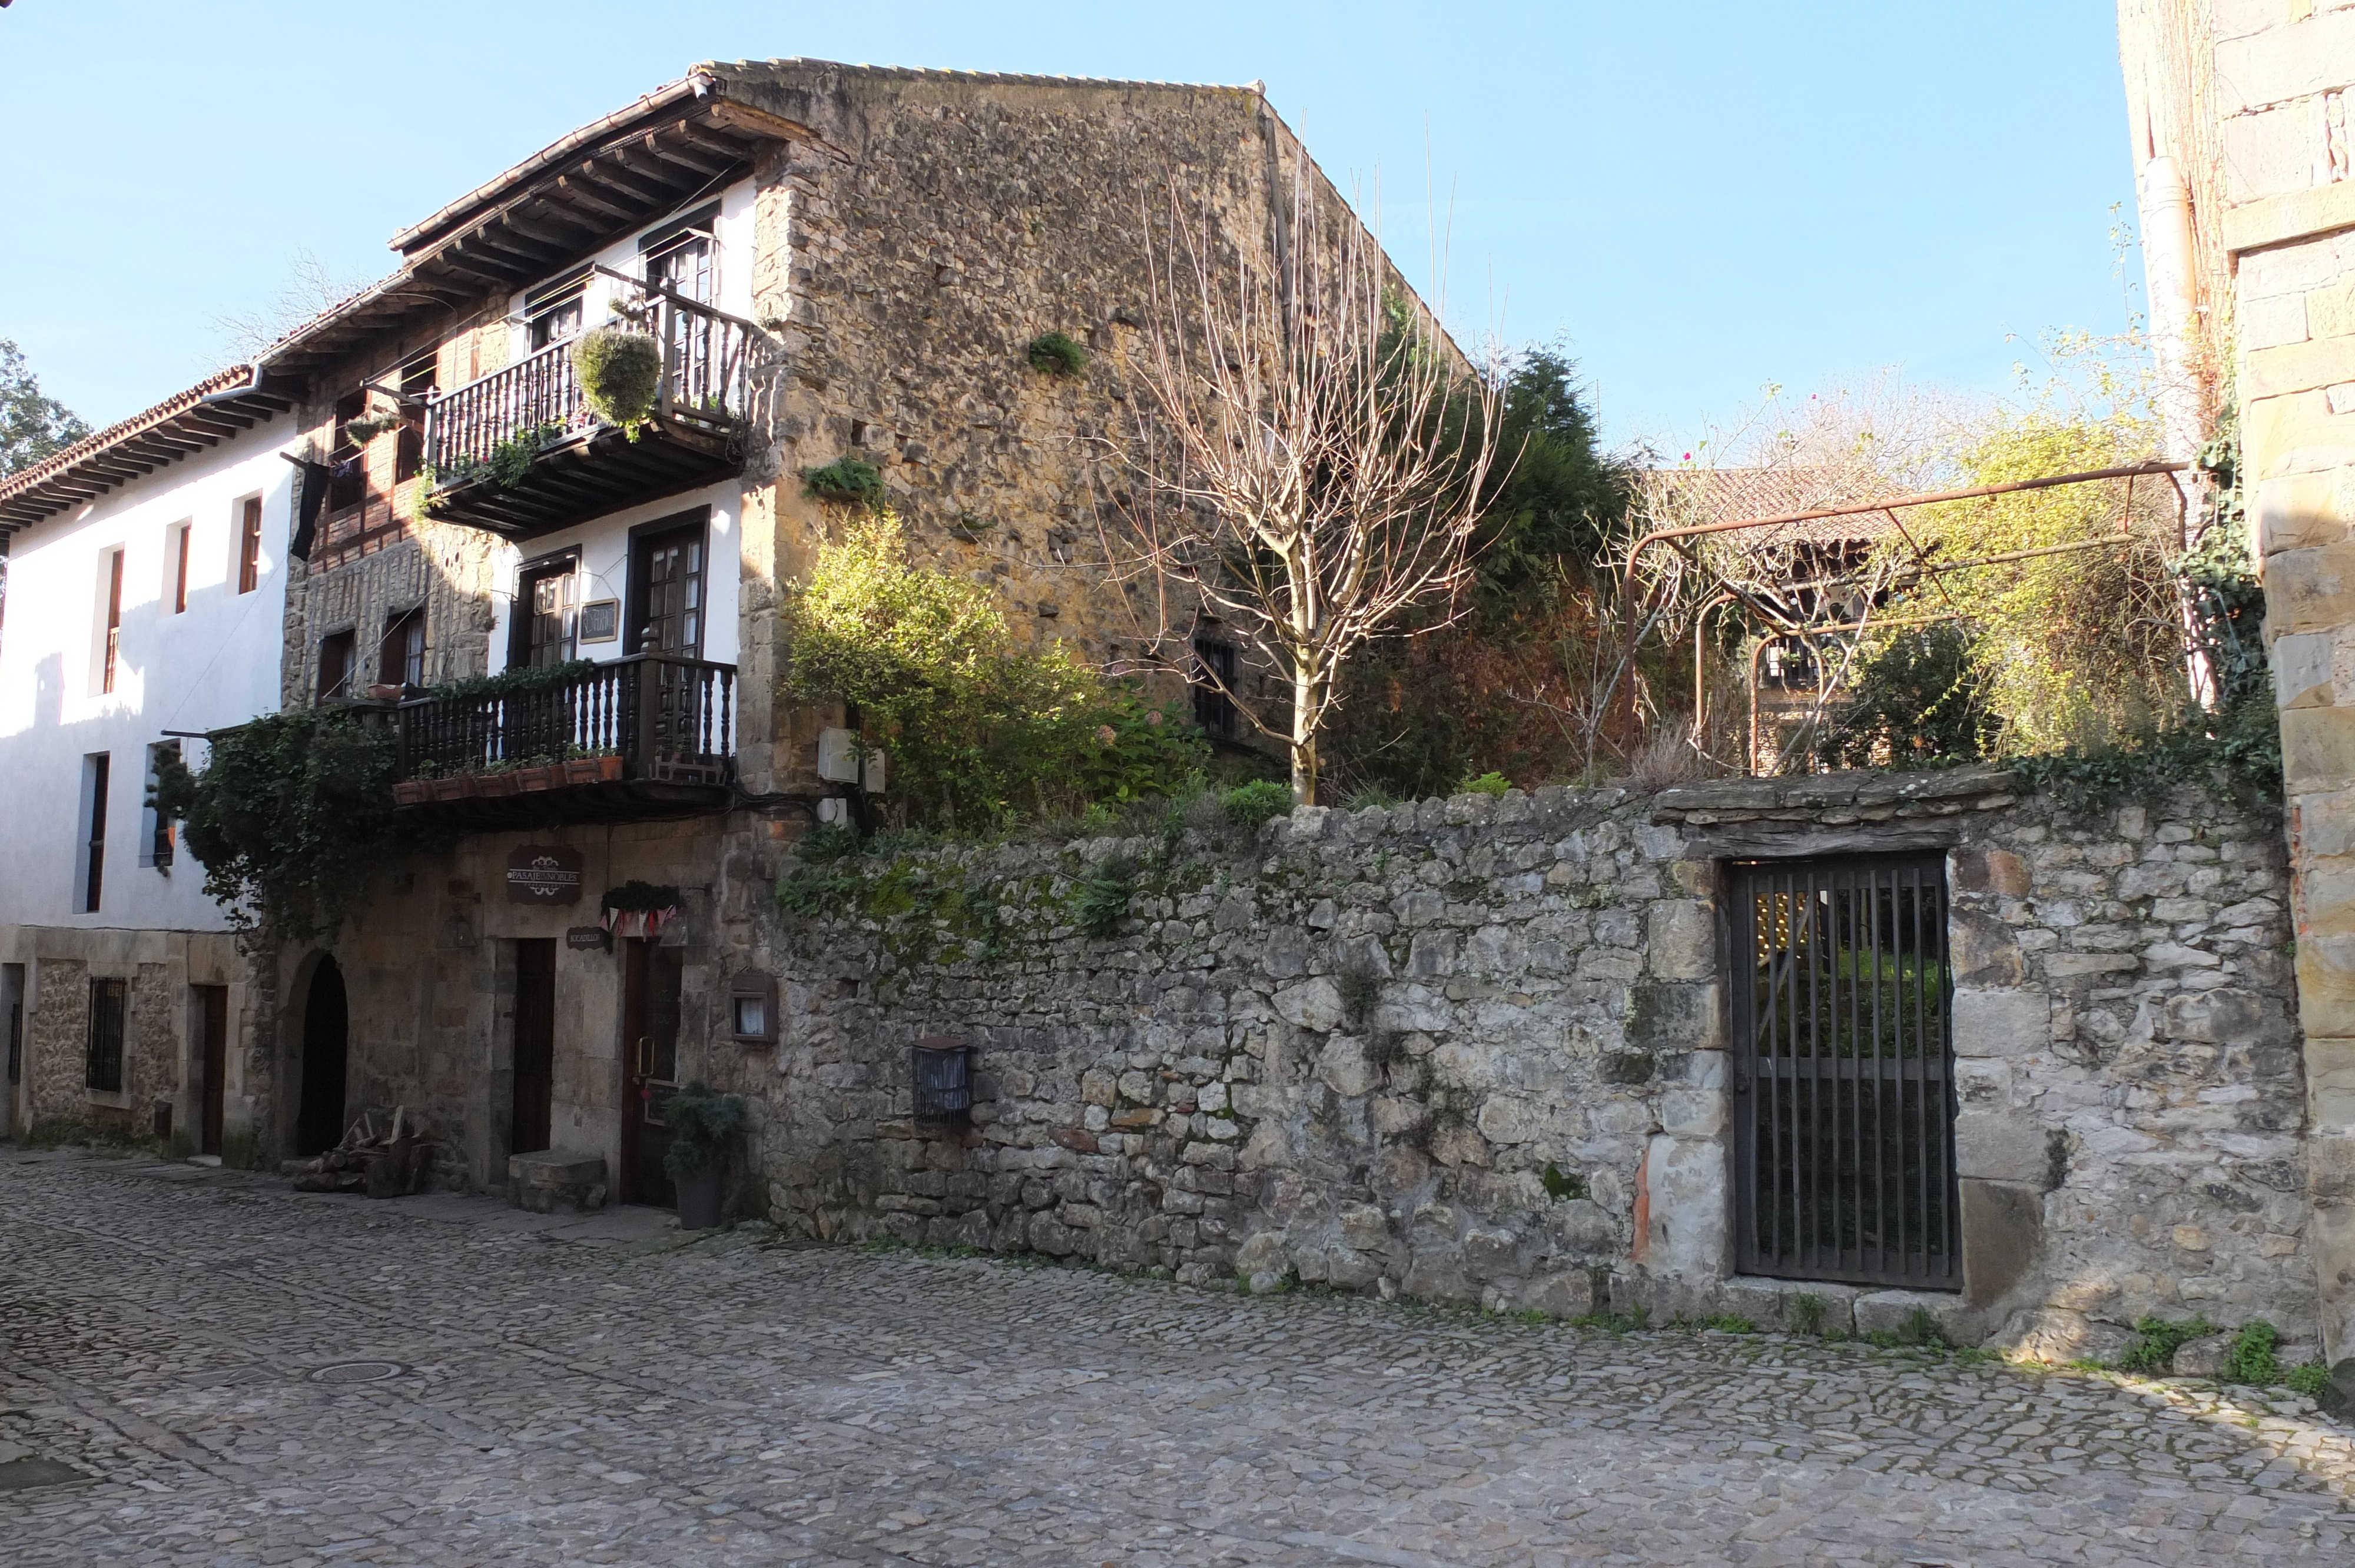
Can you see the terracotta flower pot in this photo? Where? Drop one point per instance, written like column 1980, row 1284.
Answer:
column 499, row 783
column 451, row 789
column 411, row 791
column 583, row 770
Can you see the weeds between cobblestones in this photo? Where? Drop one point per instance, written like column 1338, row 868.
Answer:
column 733, row 1397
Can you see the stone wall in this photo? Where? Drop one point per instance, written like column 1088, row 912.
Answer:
column 1475, row 1050
column 2250, row 98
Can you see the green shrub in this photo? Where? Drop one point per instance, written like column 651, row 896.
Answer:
column 1249, row 805
column 620, row 373
column 1486, row 784
column 1056, row 353
column 847, row 481
column 2155, row 1341
column 1728, row 1323
column 511, row 460
column 1805, row 1312
column 1103, row 900
column 978, row 727
column 2312, row 1379
column 2251, row 1359
column 827, row 842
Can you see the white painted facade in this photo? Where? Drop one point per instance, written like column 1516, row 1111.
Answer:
column 212, row 664
column 602, row 545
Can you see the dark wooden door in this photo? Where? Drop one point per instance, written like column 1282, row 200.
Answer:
column 650, row 990
column 212, row 1058
column 1844, row 1116
column 666, row 572
column 535, row 1045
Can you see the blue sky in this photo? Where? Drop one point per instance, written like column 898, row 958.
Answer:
column 1698, row 199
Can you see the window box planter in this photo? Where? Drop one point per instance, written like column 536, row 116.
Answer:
column 496, row 784
column 454, row 788
column 592, row 769
column 543, row 776
column 412, row 791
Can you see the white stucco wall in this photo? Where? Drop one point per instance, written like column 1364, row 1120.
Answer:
column 605, row 546
column 213, row 665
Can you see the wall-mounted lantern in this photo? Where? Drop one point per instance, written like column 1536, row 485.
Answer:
column 943, row 1075
column 753, row 1008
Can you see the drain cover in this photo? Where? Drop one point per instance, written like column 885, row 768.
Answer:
column 358, row 1372
column 17, row 1474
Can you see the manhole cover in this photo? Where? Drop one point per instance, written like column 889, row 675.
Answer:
column 358, row 1372
column 17, row 1474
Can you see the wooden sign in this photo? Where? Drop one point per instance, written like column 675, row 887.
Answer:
column 587, row 936
column 543, row 874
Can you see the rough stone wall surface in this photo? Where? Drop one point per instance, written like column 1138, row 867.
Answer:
column 1475, row 1050
column 2251, row 98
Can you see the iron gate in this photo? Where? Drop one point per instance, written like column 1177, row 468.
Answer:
column 1844, row 1131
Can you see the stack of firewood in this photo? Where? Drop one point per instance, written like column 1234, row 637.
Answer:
column 383, row 1155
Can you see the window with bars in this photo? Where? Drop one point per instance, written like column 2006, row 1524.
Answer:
column 109, row 997
column 1215, row 668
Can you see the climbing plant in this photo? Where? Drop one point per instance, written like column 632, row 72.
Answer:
column 286, row 816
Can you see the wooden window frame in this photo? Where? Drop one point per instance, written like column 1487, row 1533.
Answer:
column 249, row 544
column 184, row 541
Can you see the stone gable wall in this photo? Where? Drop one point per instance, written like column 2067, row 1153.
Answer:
column 1475, row 1050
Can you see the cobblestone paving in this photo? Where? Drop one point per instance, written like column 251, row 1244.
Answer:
column 187, row 1340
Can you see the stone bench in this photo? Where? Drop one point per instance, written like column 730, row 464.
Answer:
column 554, row 1177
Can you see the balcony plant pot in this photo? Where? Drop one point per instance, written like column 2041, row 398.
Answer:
column 497, row 784
column 545, row 776
column 585, row 769
column 699, row 1199
column 705, row 1130
column 453, row 788
column 412, row 791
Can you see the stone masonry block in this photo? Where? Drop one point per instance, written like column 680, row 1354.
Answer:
column 2317, row 748
column 2003, row 1234
column 1683, row 941
column 2272, row 151
column 2298, row 367
column 2269, row 323
column 556, row 1179
column 1892, row 1311
column 2278, row 64
column 2296, row 433
column 2311, row 589
column 2304, row 511
column 2000, row 1023
column 1999, row 1144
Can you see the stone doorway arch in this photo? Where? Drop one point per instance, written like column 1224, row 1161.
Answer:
column 327, row 1038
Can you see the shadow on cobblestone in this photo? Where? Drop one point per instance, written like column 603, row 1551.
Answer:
column 722, row 1401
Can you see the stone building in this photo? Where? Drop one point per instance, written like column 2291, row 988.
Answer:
column 568, row 621
column 2238, row 116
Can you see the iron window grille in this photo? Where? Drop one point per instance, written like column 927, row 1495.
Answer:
column 108, row 996
column 941, row 1072
column 1215, row 667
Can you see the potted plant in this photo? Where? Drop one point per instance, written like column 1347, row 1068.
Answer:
column 705, row 1129
column 452, row 787
column 621, row 371
column 498, row 780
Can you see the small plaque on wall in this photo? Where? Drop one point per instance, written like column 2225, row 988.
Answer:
column 588, row 939
column 600, row 620
column 543, row 874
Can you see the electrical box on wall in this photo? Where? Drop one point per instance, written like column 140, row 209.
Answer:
column 870, row 773
column 833, row 811
column 837, row 756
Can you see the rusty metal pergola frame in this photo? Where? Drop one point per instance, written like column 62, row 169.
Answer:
column 1924, row 567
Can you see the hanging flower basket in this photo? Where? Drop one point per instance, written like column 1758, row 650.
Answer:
column 620, row 373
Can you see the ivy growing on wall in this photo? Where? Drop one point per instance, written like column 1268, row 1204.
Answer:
column 286, row 817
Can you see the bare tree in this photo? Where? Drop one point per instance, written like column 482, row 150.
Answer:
column 1309, row 455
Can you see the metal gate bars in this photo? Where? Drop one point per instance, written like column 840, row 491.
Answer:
column 1844, row 1129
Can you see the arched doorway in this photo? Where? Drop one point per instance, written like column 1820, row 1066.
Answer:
column 319, row 1125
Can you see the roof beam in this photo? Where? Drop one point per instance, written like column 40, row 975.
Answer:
column 575, row 188
column 604, row 173
column 685, row 157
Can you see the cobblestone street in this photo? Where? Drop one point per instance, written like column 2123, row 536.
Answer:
column 195, row 1347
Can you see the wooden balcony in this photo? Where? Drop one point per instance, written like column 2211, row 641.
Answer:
column 630, row 739
column 582, row 466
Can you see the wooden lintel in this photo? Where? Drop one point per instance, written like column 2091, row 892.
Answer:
column 761, row 122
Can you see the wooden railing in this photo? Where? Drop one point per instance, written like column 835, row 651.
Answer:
column 665, row 717
column 705, row 381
